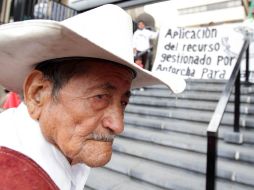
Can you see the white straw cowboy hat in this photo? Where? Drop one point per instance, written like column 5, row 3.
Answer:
column 104, row 33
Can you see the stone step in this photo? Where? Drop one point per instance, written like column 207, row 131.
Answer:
column 88, row 188
column 210, row 87
column 187, row 114
column 165, row 176
column 189, row 104
column 208, row 81
column 106, row 179
column 177, row 125
column 191, row 95
column 186, row 127
column 226, row 169
column 189, row 142
column 198, row 82
column 218, row 88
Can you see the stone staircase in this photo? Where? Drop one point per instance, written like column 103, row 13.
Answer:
column 164, row 142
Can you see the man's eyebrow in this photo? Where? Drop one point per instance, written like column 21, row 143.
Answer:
column 108, row 86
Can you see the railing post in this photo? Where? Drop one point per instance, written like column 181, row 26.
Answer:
column 237, row 103
column 19, row 9
column 1, row 8
column 247, row 65
column 29, row 10
column 1, row 3
column 211, row 160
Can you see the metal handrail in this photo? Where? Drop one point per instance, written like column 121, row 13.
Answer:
column 37, row 9
column 247, row 65
column 213, row 127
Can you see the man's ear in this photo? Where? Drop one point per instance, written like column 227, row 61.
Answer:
column 36, row 93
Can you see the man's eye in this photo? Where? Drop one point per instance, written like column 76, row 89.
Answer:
column 100, row 101
column 124, row 104
column 102, row 96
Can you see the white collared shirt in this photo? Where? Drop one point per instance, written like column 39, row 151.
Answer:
column 18, row 131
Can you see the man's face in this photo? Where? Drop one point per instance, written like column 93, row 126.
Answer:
column 88, row 114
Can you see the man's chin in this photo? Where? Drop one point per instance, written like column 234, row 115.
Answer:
column 98, row 162
column 95, row 154
column 98, row 159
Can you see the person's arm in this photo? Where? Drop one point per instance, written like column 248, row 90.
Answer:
column 153, row 34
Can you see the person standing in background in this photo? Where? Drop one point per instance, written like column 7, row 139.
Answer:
column 141, row 44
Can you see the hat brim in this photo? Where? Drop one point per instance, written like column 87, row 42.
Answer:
column 25, row 44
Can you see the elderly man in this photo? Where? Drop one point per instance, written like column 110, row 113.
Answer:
column 75, row 77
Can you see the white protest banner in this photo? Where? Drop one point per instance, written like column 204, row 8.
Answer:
column 198, row 53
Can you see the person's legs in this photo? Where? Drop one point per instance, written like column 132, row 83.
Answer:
column 145, row 61
column 138, row 59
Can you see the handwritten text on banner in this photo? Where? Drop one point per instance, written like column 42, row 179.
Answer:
column 199, row 53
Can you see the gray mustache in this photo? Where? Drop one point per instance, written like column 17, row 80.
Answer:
column 102, row 137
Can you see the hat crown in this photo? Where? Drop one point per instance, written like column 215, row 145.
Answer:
column 108, row 26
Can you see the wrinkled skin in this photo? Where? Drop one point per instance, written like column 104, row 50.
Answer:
column 87, row 115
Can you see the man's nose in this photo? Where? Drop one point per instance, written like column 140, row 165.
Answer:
column 114, row 120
